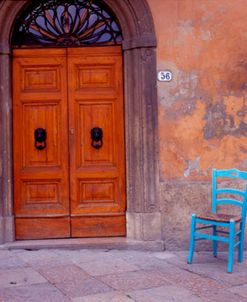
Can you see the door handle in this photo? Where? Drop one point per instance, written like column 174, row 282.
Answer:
column 96, row 137
column 40, row 136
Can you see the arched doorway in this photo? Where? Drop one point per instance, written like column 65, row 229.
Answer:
column 143, row 215
column 68, row 125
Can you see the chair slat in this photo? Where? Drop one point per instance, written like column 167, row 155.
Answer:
column 243, row 174
column 230, row 191
column 231, row 173
column 229, row 201
column 212, row 237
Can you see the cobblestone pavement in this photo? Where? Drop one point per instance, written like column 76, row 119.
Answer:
column 102, row 275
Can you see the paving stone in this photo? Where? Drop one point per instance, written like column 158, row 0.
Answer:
column 221, row 296
column 218, row 272
column 208, row 269
column 80, row 256
column 129, row 254
column 43, row 258
column 33, row 293
column 180, row 259
column 151, row 263
column 36, row 254
column 167, row 293
column 134, row 280
column 78, row 288
column 206, row 288
column 63, row 273
column 233, row 279
column 12, row 261
column 241, row 290
column 5, row 254
column 194, row 282
column 106, row 297
column 118, row 275
column 142, row 260
column 204, row 257
column 164, row 255
column 19, row 277
column 108, row 266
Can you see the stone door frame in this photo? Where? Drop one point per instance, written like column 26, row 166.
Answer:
column 141, row 118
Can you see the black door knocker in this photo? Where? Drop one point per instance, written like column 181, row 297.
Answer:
column 96, row 136
column 40, row 138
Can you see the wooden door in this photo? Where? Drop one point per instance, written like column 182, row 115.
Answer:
column 68, row 188
column 41, row 188
column 97, row 176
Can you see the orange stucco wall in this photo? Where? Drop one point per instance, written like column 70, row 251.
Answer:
column 203, row 110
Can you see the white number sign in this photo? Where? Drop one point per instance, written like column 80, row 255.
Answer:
column 164, row 76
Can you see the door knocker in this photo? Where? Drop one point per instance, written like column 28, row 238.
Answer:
column 40, row 138
column 96, row 137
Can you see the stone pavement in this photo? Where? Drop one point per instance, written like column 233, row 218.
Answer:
column 103, row 275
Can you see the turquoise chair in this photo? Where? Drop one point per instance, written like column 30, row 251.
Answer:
column 233, row 225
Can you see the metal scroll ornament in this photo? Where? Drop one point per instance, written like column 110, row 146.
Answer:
column 64, row 23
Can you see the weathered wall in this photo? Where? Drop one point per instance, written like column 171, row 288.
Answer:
column 203, row 111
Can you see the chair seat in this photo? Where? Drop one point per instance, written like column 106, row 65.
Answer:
column 218, row 217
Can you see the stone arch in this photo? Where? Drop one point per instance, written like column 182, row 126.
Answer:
column 141, row 118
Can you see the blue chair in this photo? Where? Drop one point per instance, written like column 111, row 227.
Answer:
column 233, row 225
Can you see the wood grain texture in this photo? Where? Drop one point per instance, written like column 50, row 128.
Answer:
column 97, row 175
column 98, row 226
column 41, row 186
column 67, row 92
column 33, row 228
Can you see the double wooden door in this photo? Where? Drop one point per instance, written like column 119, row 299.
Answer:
column 69, row 162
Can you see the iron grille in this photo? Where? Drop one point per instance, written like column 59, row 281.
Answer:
column 64, row 23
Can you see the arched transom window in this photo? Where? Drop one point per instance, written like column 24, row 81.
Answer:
column 64, row 23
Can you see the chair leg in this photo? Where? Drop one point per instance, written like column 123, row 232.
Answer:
column 241, row 245
column 192, row 238
column 215, row 243
column 231, row 246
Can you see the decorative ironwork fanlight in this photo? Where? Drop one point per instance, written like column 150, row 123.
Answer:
column 66, row 23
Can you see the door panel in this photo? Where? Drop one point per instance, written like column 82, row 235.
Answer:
column 97, row 175
column 69, row 188
column 90, row 115
column 96, row 226
column 47, row 115
column 40, row 228
column 41, row 187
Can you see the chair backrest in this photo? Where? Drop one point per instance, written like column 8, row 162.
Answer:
column 231, row 196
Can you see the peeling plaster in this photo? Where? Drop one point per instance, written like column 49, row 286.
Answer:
column 185, row 30
column 206, row 35
column 203, row 110
column 192, row 166
column 179, row 96
column 245, row 163
column 220, row 123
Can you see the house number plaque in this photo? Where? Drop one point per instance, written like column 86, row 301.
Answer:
column 164, row 76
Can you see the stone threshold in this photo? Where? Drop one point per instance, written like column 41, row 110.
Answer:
column 118, row 243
